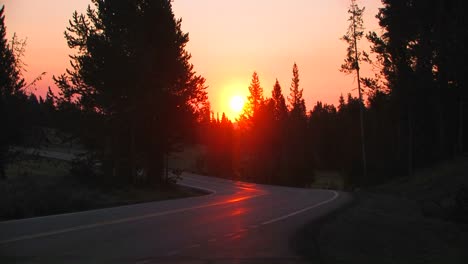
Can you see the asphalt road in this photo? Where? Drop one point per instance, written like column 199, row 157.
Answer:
column 237, row 223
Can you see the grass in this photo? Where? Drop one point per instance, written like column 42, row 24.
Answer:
column 328, row 180
column 47, row 169
column 38, row 186
column 390, row 223
column 187, row 159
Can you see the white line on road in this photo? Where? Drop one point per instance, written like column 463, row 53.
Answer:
column 194, row 246
column 212, row 192
column 119, row 221
column 173, row 252
column 335, row 195
column 143, row 261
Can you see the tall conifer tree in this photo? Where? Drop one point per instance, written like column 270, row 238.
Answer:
column 352, row 65
column 296, row 102
column 11, row 92
column 131, row 71
column 279, row 103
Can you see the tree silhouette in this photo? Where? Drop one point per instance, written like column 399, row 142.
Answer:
column 420, row 89
column 422, row 64
column 11, row 93
column 296, row 102
column 254, row 99
column 11, row 82
column 324, row 141
column 296, row 149
column 279, row 103
column 220, row 140
column 132, row 74
column 352, row 64
column 278, row 134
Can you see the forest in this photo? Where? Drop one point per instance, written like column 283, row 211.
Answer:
column 132, row 97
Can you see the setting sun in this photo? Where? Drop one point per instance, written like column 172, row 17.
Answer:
column 237, row 103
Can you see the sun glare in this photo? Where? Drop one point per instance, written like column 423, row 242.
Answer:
column 237, row 103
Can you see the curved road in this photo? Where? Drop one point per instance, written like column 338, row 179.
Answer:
column 237, row 223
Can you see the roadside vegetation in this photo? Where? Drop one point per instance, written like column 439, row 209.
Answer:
column 106, row 136
column 412, row 207
column 37, row 186
column 419, row 219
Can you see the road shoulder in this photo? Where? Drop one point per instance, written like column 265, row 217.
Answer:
column 305, row 240
column 383, row 228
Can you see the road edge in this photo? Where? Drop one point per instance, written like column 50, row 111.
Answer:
column 304, row 242
column 205, row 191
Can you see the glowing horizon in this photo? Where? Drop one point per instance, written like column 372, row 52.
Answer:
column 228, row 41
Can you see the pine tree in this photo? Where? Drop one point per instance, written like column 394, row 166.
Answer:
column 11, row 94
column 341, row 103
column 352, row 64
column 255, row 98
column 279, row 103
column 296, row 102
column 133, row 73
column 296, row 132
column 11, row 81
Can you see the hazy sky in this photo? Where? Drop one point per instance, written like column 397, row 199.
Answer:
column 228, row 41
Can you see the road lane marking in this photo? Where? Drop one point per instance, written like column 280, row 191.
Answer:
column 237, row 236
column 143, row 261
column 122, row 220
column 212, row 240
column 229, row 234
column 194, row 246
column 173, row 253
column 212, row 192
column 335, row 195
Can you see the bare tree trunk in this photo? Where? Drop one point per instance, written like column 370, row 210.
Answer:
column 441, row 128
column 166, row 167
column 132, row 152
column 443, row 80
column 460, row 125
column 132, row 113
column 410, row 143
column 361, row 114
column 363, row 143
column 2, row 166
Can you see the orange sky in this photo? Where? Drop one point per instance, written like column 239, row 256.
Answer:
column 228, row 41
